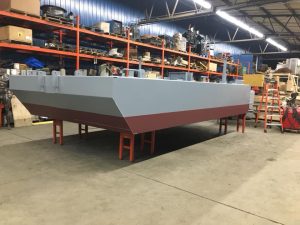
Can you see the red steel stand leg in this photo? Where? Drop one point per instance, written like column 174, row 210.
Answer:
column 243, row 117
column 59, row 124
column 85, row 129
column 223, row 122
column 54, row 132
column 238, row 123
column 151, row 141
column 121, row 144
column 220, row 126
column 244, row 123
column 142, row 142
column 130, row 147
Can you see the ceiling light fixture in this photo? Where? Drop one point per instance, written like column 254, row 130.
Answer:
column 276, row 44
column 239, row 23
column 203, row 3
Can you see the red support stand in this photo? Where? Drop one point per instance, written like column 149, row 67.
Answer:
column 151, row 141
column 58, row 124
column 223, row 122
column 130, row 147
column 85, row 129
column 243, row 117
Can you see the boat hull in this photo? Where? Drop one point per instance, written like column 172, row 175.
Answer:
column 129, row 104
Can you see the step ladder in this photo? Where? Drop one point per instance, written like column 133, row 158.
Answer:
column 270, row 102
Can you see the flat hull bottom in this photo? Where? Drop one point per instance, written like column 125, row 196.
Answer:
column 137, row 124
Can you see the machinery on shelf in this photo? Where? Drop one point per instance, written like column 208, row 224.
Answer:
column 54, row 43
column 114, row 53
column 179, row 42
column 151, row 39
column 135, row 33
column 168, row 41
column 116, row 27
column 292, row 65
column 53, row 12
column 194, row 39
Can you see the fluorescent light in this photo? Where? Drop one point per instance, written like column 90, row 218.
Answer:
column 203, row 3
column 239, row 23
column 276, row 44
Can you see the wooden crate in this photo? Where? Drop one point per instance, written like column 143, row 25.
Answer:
column 22, row 117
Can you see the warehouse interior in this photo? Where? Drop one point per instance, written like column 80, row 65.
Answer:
column 149, row 112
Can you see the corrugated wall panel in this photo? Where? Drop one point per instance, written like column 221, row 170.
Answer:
column 93, row 11
column 219, row 48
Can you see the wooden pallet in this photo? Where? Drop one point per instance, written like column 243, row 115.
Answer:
column 58, row 20
column 182, row 66
column 152, row 43
column 24, row 13
column 117, row 35
column 16, row 42
column 61, row 49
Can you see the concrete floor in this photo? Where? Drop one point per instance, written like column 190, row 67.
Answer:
column 196, row 178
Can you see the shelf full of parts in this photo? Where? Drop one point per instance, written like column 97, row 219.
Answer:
column 115, row 49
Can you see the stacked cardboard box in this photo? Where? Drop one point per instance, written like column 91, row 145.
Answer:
column 16, row 34
column 27, row 6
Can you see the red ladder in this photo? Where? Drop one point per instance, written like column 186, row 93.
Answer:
column 272, row 109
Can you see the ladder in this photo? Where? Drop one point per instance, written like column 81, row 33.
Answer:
column 270, row 102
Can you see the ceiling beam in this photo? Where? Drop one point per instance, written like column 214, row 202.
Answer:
column 274, row 53
column 240, row 40
column 284, row 26
column 200, row 13
column 268, row 16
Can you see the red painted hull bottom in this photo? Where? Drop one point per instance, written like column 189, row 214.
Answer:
column 137, row 124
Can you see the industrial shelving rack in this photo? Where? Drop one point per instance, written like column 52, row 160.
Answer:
column 32, row 22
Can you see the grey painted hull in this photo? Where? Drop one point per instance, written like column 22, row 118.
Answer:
column 129, row 104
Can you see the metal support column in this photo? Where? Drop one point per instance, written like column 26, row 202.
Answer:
column 224, row 74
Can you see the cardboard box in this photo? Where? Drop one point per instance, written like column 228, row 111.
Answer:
column 213, row 67
column 152, row 74
column 28, row 6
column 290, row 86
column 254, row 80
column 103, row 26
column 17, row 34
column 282, row 86
column 133, row 52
